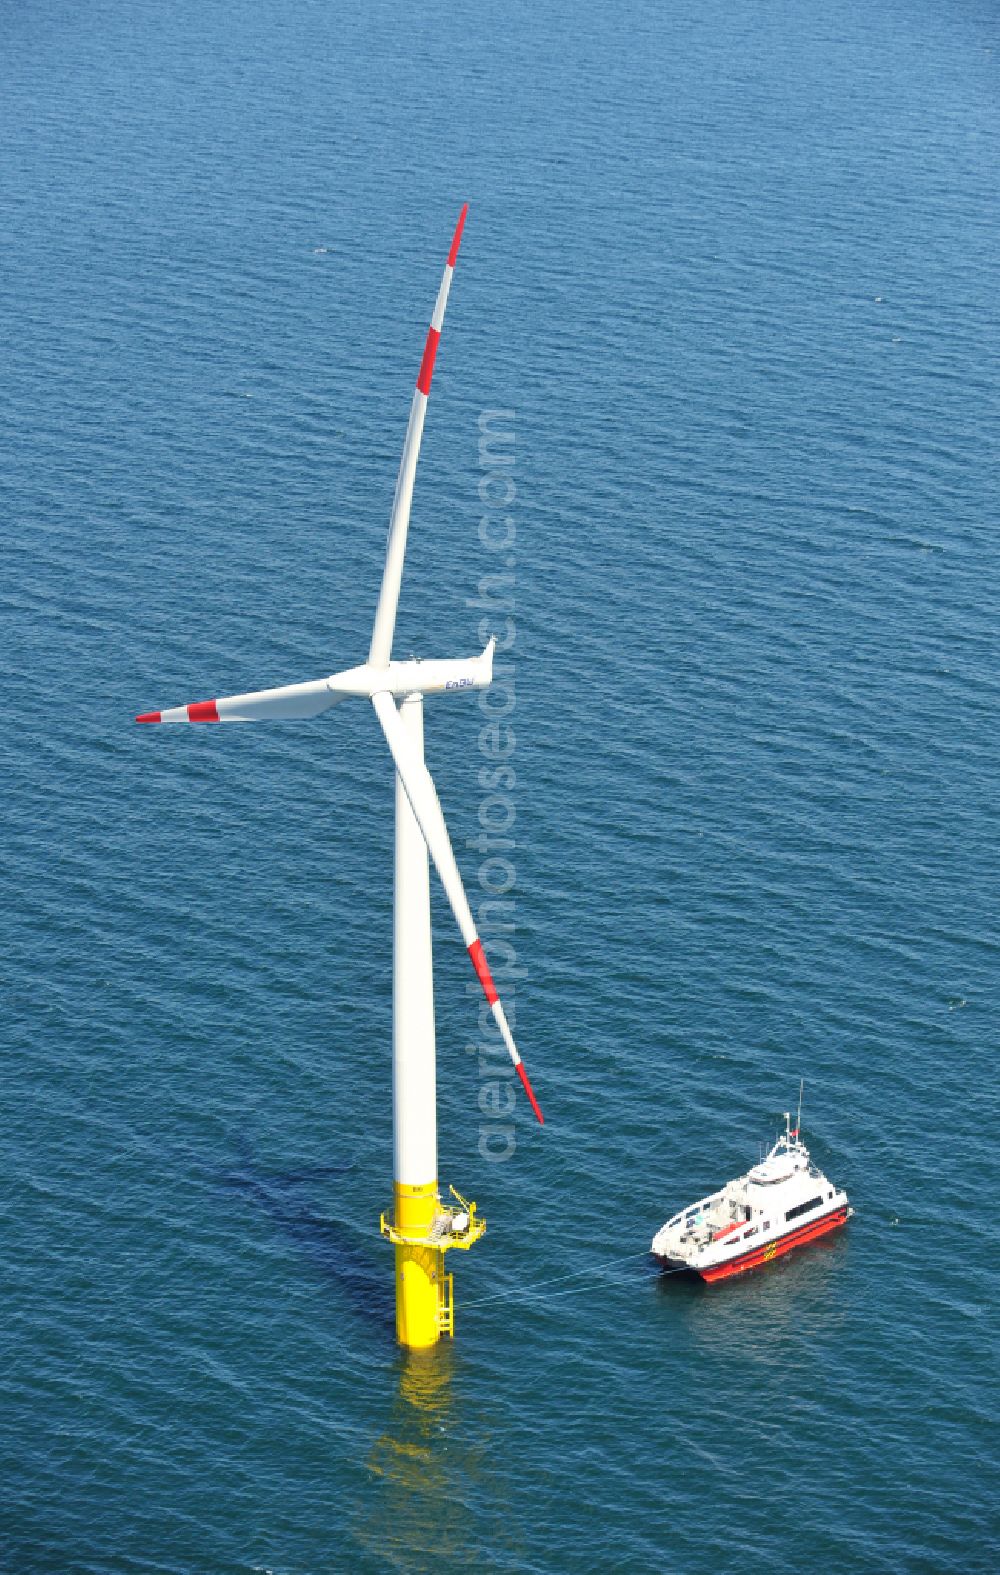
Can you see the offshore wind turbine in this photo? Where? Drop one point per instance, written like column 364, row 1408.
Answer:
column 423, row 1228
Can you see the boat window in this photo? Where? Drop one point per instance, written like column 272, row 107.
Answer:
column 803, row 1208
column 766, row 1225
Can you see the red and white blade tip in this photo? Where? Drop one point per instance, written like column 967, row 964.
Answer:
column 522, row 1074
column 426, row 372
column 199, row 711
column 482, row 967
column 456, row 239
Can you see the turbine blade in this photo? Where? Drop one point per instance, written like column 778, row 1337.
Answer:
column 422, row 794
column 291, row 703
column 399, row 520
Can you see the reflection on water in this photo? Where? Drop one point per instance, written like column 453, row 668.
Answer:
column 751, row 1312
column 426, row 1470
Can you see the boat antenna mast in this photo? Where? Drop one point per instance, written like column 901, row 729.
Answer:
column 798, row 1114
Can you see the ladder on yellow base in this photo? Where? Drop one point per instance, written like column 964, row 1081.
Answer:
column 446, row 1302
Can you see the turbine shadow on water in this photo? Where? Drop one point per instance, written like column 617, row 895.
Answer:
column 328, row 1244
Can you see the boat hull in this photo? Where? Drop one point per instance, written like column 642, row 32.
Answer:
column 758, row 1257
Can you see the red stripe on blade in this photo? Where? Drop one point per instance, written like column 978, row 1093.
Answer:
column 203, row 711
column 149, row 716
column 456, row 239
column 522, row 1074
column 482, row 968
column 427, row 364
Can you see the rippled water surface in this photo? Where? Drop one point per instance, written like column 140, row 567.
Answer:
column 733, row 269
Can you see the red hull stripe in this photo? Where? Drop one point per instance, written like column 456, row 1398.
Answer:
column 482, row 968
column 149, row 716
column 203, row 711
column 770, row 1250
column 456, row 239
column 427, row 364
column 522, row 1074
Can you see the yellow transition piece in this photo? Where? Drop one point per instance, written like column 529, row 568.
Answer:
column 422, row 1231
column 419, row 1269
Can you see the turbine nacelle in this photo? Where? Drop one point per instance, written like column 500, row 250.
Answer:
column 449, row 675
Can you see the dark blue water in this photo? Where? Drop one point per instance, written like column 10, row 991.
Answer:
column 732, row 268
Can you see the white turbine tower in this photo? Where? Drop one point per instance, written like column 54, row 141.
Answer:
column 423, row 1228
